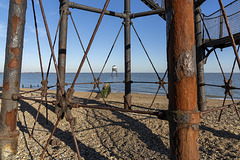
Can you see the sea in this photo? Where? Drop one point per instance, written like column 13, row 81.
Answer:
column 142, row 85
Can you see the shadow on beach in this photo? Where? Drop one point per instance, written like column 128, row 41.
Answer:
column 122, row 135
column 150, row 140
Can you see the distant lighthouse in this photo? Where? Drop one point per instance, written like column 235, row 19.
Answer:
column 114, row 69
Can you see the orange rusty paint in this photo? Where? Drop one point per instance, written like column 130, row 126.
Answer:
column 15, row 21
column 16, row 84
column 18, row 1
column 15, row 51
column 185, row 95
column 186, row 139
column 182, row 79
column 11, row 120
column 183, row 35
column 14, row 63
column 6, row 86
column 180, row 43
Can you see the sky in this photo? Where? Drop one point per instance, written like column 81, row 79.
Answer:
column 151, row 29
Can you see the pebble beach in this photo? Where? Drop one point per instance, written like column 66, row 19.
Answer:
column 105, row 134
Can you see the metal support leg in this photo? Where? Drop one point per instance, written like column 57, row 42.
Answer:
column 202, row 104
column 63, row 42
column 183, row 116
column 11, row 79
column 127, row 33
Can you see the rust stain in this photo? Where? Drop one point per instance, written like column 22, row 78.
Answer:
column 185, row 94
column 15, row 51
column 14, row 63
column 18, row 1
column 183, row 36
column 182, row 73
column 6, row 86
column 182, row 79
column 187, row 139
column 16, row 84
column 15, row 21
column 11, row 120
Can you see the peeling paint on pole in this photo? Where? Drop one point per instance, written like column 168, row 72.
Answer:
column 181, row 53
column 11, row 79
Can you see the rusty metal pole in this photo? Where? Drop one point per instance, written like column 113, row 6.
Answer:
column 11, row 79
column 221, row 26
column 202, row 104
column 183, row 115
column 127, row 39
column 64, row 8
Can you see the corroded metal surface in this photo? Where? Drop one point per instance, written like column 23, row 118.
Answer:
column 11, row 80
column 202, row 104
column 63, row 41
column 127, row 55
column 183, row 112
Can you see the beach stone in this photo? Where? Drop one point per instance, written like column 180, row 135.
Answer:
column 105, row 134
column 56, row 142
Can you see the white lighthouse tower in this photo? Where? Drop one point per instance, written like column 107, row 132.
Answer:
column 114, row 69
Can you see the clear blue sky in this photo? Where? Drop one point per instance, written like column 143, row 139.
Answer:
column 150, row 28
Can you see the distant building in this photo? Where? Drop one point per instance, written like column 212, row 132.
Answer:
column 114, row 69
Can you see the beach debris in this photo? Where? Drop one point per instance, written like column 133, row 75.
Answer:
column 56, row 142
column 106, row 90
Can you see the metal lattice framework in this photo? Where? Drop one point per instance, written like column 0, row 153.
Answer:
column 216, row 25
column 178, row 71
column 222, row 24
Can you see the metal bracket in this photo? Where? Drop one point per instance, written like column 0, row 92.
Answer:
column 184, row 117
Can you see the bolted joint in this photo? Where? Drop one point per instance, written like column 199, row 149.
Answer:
column 69, row 96
column 44, row 88
column 68, row 114
column 127, row 22
column 65, row 10
column 64, row 7
column 16, row 97
column 64, row 105
column 184, row 117
column 44, row 83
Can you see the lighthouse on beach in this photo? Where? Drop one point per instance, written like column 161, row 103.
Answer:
column 114, row 69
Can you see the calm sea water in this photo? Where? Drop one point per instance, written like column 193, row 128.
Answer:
column 34, row 80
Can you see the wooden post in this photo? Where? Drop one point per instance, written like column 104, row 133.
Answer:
column 184, row 117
